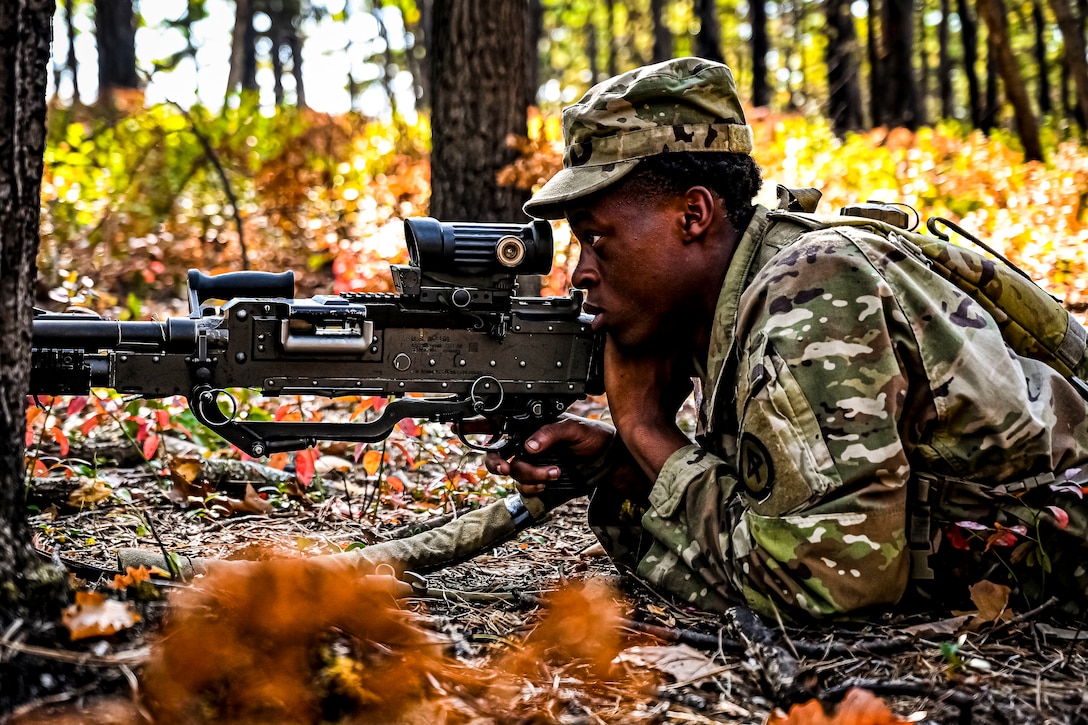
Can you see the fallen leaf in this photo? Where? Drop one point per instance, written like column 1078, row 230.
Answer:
column 187, row 475
column 859, row 707
column 940, row 628
column 251, row 503
column 680, row 661
column 90, row 492
column 131, row 577
column 95, row 615
column 992, row 601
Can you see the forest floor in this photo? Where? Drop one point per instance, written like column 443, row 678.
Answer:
column 665, row 664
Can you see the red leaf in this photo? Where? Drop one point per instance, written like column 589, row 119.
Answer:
column 40, row 471
column 89, row 424
column 77, row 404
column 956, row 539
column 1060, row 516
column 162, row 418
column 1001, row 538
column 408, row 456
column 151, row 444
column 410, row 427
column 60, row 438
column 359, row 448
column 304, row 466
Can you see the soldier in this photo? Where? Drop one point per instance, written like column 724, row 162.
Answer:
column 864, row 430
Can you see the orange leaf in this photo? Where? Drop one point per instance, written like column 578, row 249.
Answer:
column 278, row 461
column 372, row 460
column 60, row 438
column 151, row 444
column 93, row 615
column 410, row 427
column 408, row 456
column 304, row 466
column 396, row 484
column 364, row 406
column 132, row 576
column 40, row 471
column 32, row 414
column 859, row 707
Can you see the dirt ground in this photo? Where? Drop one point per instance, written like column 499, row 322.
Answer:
column 704, row 668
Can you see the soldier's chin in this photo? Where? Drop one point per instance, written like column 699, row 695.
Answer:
column 633, row 344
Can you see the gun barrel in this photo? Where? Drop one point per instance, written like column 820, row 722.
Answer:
column 76, row 332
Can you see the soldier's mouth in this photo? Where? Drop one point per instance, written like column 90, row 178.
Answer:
column 597, row 313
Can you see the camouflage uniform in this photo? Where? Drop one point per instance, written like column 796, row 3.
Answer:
column 859, row 412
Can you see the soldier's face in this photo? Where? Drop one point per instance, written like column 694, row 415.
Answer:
column 634, row 266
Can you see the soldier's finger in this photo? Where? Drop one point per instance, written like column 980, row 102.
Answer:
column 531, row 489
column 497, row 464
column 564, row 431
column 524, row 472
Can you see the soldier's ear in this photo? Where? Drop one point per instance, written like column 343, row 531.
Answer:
column 699, row 210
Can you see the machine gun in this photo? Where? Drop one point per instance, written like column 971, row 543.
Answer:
column 454, row 343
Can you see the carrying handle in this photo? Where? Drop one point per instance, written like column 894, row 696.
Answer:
column 238, row 284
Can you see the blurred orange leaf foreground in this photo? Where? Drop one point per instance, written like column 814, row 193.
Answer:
column 310, row 640
column 859, row 707
column 95, row 615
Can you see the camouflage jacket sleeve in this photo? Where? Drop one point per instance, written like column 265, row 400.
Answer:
column 798, row 500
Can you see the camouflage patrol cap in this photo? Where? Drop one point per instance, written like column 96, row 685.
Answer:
column 683, row 104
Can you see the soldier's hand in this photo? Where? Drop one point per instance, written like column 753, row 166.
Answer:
column 581, row 438
column 645, row 391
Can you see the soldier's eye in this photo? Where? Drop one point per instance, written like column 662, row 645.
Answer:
column 591, row 239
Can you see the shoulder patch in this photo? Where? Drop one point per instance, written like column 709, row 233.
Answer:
column 756, row 467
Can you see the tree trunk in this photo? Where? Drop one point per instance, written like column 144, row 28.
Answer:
column 876, row 66
column 478, row 100
column 71, row 63
column 992, row 106
column 761, row 89
column 610, row 36
column 844, row 93
column 1027, row 125
column 708, row 43
column 243, row 50
column 28, row 588
column 969, row 38
column 592, row 52
column 923, row 68
column 1073, row 42
column 1043, row 81
column 944, row 63
column 900, row 90
column 662, row 34
column 532, row 51
column 115, row 31
column 419, row 55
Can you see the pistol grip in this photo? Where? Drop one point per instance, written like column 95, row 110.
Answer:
column 570, row 483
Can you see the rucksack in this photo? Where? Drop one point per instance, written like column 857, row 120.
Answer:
column 1033, row 322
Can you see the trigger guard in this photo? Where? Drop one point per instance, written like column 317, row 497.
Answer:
column 495, row 444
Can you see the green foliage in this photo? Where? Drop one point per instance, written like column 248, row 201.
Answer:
column 138, row 202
